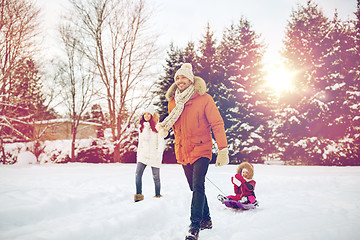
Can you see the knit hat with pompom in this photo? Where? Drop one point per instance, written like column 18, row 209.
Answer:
column 150, row 109
column 185, row 70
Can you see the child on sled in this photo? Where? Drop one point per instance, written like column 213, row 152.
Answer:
column 244, row 185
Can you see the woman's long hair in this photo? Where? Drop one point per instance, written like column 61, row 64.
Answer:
column 151, row 121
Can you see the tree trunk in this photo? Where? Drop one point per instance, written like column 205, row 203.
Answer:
column 117, row 153
column 72, row 155
column 2, row 150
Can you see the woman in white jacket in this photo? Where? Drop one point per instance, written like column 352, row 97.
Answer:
column 150, row 151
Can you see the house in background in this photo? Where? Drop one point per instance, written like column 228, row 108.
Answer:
column 60, row 129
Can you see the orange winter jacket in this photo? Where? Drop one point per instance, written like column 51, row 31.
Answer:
column 193, row 128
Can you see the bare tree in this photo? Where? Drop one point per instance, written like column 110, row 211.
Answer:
column 19, row 25
column 76, row 82
column 116, row 38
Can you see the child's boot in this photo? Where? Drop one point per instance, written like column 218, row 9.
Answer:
column 138, row 197
column 222, row 198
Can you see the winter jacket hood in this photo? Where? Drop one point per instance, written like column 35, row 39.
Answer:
column 199, row 84
column 248, row 166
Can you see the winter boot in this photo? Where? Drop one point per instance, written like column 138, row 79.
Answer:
column 158, row 196
column 138, row 197
column 244, row 200
column 205, row 224
column 222, row 198
column 193, row 234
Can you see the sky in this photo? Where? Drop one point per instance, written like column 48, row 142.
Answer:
column 183, row 21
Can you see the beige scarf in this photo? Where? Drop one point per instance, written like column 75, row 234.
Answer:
column 180, row 99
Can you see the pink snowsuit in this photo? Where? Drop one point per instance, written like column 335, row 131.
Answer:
column 246, row 189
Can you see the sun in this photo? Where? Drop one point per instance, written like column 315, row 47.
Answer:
column 279, row 78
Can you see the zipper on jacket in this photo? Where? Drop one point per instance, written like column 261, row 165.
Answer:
column 198, row 118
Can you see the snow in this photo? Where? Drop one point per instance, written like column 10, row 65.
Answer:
column 294, row 119
column 336, row 85
column 246, row 126
column 321, row 104
column 25, row 158
column 330, row 149
column 95, row 201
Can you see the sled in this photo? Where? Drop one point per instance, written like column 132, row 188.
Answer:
column 238, row 205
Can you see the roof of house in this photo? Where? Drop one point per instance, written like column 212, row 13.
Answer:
column 64, row 120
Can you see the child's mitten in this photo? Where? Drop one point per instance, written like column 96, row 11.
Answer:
column 237, row 179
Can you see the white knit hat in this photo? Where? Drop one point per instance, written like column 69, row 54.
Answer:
column 150, row 109
column 185, row 70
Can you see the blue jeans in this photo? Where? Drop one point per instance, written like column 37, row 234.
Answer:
column 138, row 178
column 195, row 174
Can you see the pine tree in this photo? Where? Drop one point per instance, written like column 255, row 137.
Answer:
column 207, row 62
column 338, row 79
column 306, row 45
column 19, row 26
column 306, row 42
column 25, row 101
column 96, row 115
column 319, row 49
column 353, row 145
column 208, row 69
column 190, row 56
column 173, row 63
column 240, row 64
column 357, row 14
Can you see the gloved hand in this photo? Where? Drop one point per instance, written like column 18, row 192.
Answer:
column 237, row 180
column 162, row 132
column 222, row 157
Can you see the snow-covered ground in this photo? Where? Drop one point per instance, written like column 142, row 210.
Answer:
column 85, row 201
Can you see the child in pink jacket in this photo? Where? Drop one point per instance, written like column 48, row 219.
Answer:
column 244, row 185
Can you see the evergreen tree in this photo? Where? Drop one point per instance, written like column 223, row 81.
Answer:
column 306, row 43
column 357, row 14
column 209, row 69
column 353, row 144
column 25, row 101
column 240, row 64
column 207, row 61
column 190, row 56
column 96, row 115
column 173, row 63
column 338, row 79
column 319, row 50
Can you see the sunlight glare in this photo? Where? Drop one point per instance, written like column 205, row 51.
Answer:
column 279, row 78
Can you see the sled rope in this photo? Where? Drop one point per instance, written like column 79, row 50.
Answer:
column 215, row 186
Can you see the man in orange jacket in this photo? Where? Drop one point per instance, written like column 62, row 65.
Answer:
column 192, row 115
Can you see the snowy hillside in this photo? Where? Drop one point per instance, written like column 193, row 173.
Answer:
column 93, row 202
